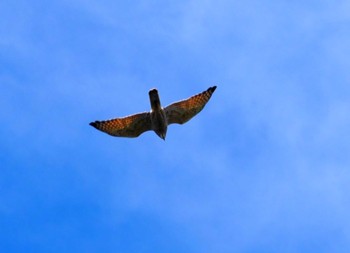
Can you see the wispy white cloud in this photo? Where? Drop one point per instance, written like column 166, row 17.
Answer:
column 294, row 182
column 262, row 167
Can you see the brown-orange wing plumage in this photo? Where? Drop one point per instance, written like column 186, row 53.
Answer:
column 130, row 126
column 182, row 111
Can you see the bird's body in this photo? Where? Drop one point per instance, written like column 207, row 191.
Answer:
column 159, row 121
column 158, row 118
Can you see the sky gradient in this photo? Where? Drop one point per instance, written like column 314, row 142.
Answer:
column 265, row 167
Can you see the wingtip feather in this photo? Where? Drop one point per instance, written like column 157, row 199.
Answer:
column 93, row 124
column 212, row 89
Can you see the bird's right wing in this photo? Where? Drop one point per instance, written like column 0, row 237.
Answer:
column 182, row 111
column 129, row 126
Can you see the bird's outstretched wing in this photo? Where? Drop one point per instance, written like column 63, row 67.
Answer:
column 182, row 111
column 129, row 126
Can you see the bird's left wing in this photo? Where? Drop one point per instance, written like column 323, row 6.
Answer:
column 182, row 111
column 129, row 126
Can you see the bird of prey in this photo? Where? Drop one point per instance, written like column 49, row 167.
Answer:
column 158, row 118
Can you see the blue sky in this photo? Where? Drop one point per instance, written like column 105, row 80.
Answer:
column 265, row 167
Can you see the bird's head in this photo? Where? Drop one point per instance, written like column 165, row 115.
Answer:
column 154, row 99
column 153, row 93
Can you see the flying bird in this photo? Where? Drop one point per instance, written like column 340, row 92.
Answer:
column 158, row 118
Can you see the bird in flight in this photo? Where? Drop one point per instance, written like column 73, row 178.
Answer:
column 158, row 118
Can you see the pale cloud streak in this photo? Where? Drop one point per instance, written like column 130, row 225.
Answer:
column 263, row 166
